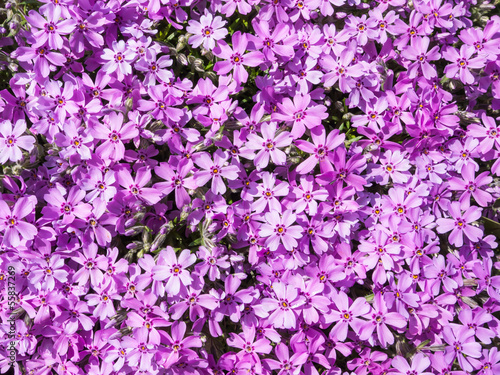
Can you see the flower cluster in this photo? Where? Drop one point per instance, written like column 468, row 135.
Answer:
column 252, row 187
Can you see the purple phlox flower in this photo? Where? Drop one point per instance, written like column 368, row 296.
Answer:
column 93, row 224
column 301, row 113
column 236, row 58
column 142, row 157
column 285, row 364
column 442, row 273
column 139, row 351
column 123, row 207
column 402, row 294
column 461, row 63
column 379, row 319
column 176, row 181
column 118, row 59
column 432, row 168
column 180, row 345
column 15, row 230
column 88, row 26
column 250, row 347
column 207, row 31
column 419, row 364
column 374, row 117
column 279, row 229
column 346, row 314
column 236, row 148
column 99, row 185
column 230, row 6
column 306, row 195
column 12, row 141
column 490, row 362
column 268, row 191
column 380, row 254
column 345, row 170
column 488, row 133
column 485, row 279
column 393, row 165
column 283, row 304
column 482, row 40
column 116, row 353
column 350, row 263
column 43, row 59
column 69, row 208
column 135, row 187
column 317, row 233
column 155, row 69
column 26, row 338
column 341, row 69
column 268, row 145
column 418, row 52
column 46, row 273
column 196, row 302
column 366, row 361
column 114, row 133
column 471, row 185
column 311, row 342
column 213, row 259
column 401, row 202
column 315, row 302
column 320, row 150
column 50, row 30
column 362, row 28
column 174, row 269
column 76, row 144
column 278, row 42
column 214, row 170
column 92, row 264
column 334, row 43
column 475, row 319
column 459, row 224
column 74, row 316
column 231, row 298
column 461, row 346
column 384, row 21
column 103, row 298
column 61, row 99
column 406, row 32
column 305, row 74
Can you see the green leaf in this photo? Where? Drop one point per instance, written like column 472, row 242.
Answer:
column 491, row 227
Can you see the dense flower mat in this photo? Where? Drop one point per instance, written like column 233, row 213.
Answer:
column 250, row 187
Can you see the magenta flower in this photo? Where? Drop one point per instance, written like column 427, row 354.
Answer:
column 268, row 145
column 174, row 269
column 69, row 208
column 92, row 264
column 471, row 186
column 118, row 59
column 176, row 181
column 285, row 364
column 419, row 364
column 214, row 170
column 12, row 141
column 300, row 114
column 250, row 347
column 461, row 346
column 135, row 187
column 418, row 53
column 179, row 344
column 461, row 63
column 279, row 229
column 283, row 304
column 14, row 229
column 380, row 319
column 50, row 30
column 207, row 31
column 114, row 133
column 459, row 224
column 320, row 149
column 236, row 57
column 346, row 315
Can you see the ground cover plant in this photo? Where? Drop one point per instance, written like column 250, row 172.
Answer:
column 250, row 187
